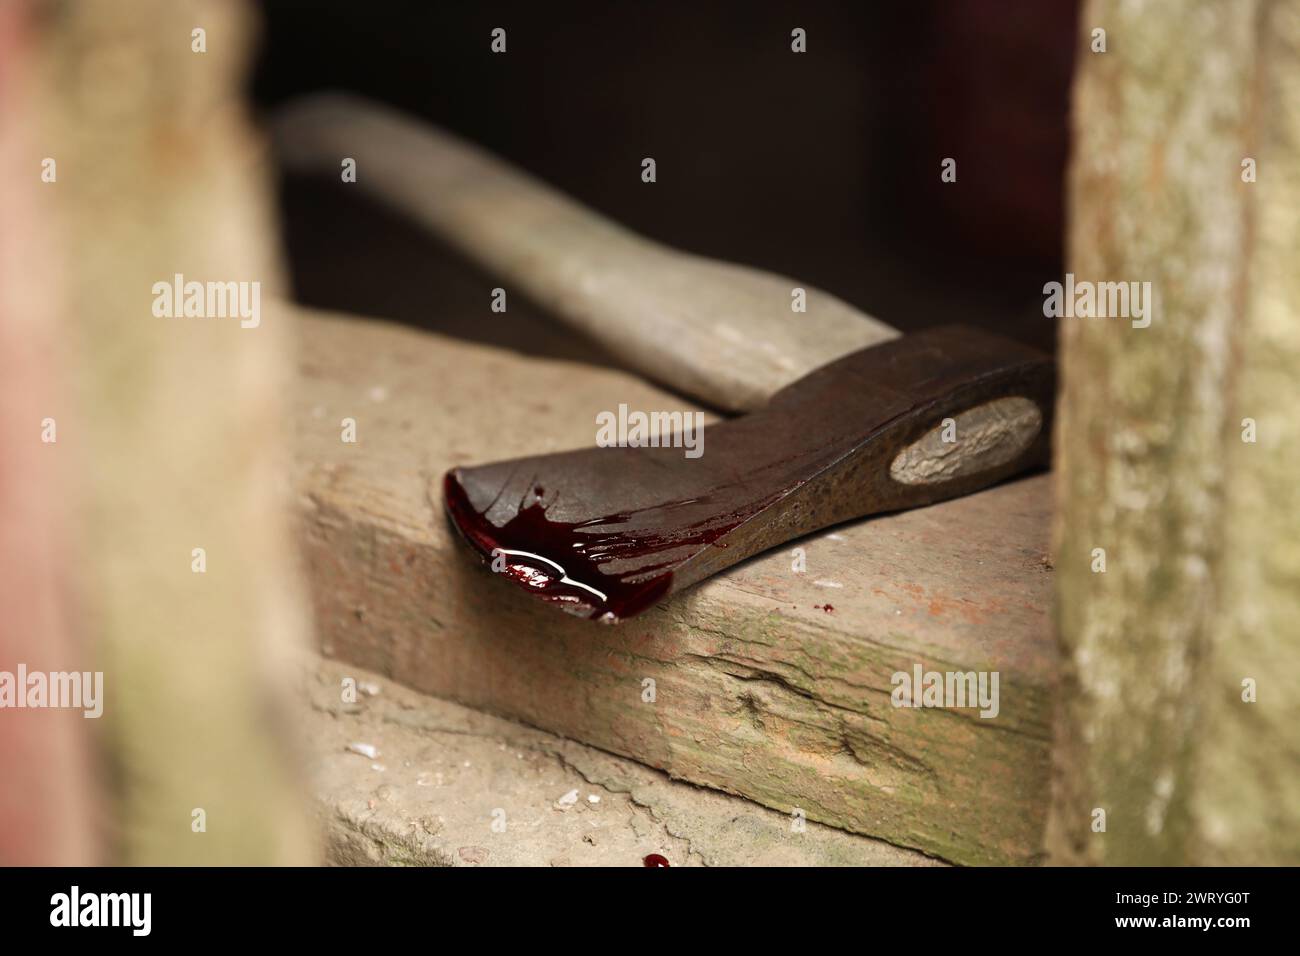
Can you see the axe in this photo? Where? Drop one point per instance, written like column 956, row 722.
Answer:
column 838, row 415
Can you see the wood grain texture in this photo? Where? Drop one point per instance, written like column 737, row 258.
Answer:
column 1202, row 583
column 761, row 688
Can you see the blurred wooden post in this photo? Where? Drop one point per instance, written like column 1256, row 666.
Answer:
column 1200, row 598
column 46, row 785
column 170, row 437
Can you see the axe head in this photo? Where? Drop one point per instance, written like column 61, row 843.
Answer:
column 607, row 532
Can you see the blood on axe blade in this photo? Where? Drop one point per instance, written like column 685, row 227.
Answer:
column 844, row 419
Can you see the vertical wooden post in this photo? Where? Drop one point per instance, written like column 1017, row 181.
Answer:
column 171, row 438
column 47, row 788
column 1199, row 602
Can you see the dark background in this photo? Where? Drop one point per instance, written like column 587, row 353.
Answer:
column 823, row 166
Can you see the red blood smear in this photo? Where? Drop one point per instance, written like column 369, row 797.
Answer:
column 561, row 562
column 654, row 859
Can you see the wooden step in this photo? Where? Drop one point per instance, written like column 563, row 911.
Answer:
column 768, row 683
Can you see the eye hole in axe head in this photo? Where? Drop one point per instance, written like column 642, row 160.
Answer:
column 607, row 532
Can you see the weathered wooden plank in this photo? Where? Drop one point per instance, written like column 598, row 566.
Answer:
column 759, row 690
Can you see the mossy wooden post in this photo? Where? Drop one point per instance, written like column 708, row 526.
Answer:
column 1181, row 708
column 172, row 437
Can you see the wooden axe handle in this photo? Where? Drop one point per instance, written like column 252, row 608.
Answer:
column 722, row 333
